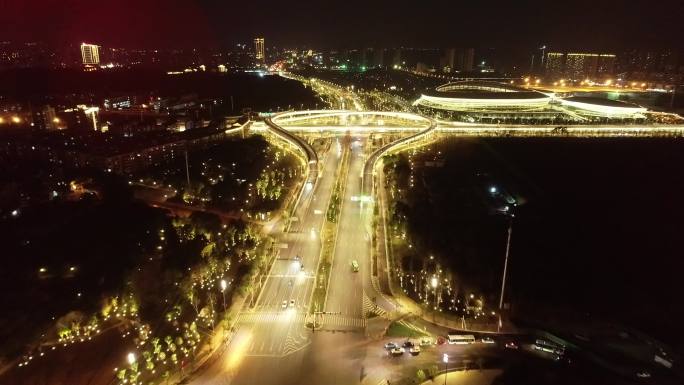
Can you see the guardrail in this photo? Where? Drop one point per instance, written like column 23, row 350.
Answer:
column 369, row 166
column 306, row 149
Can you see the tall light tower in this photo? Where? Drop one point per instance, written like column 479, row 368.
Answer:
column 505, row 270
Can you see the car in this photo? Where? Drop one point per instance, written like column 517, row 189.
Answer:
column 511, row 345
column 292, row 303
column 487, row 340
column 355, row 266
column 643, row 374
column 397, row 351
column 415, row 350
column 408, row 344
column 426, row 341
column 284, row 305
column 390, row 345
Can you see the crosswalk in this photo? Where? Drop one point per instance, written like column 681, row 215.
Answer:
column 339, row 321
column 266, row 317
column 322, row 320
column 371, row 308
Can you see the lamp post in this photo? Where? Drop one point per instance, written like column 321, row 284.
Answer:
column 445, row 359
column 433, row 283
column 224, row 285
column 508, row 248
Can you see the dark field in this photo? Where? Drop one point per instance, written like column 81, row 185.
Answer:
column 70, row 87
column 597, row 232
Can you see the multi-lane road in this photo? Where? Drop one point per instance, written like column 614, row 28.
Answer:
column 271, row 342
column 274, row 327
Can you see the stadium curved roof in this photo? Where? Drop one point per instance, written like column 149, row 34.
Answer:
column 603, row 107
column 484, row 90
column 469, row 95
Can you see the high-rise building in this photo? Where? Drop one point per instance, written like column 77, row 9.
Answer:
column 606, row 65
column 259, row 50
column 90, row 54
column 468, row 59
column 50, row 118
column 449, row 60
column 396, row 58
column 378, row 57
column 464, row 60
column 555, row 64
column 588, row 65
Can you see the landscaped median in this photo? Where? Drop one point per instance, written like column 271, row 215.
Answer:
column 329, row 237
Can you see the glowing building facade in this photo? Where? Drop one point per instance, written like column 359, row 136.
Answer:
column 259, row 50
column 90, row 55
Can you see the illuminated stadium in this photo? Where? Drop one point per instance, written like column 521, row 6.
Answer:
column 493, row 102
column 483, row 95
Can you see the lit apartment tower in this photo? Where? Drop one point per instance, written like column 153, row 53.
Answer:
column 581, row 65
column 259, row 50
column 589, row 65
column 554, row 65
column 90, row 55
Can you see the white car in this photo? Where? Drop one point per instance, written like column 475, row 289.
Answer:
column 643, row 374
column 284, row 305
column 397, row 351
column 415, row 350
column 487, row 340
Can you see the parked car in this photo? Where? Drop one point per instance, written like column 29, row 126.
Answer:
column 487, row 340
column 414, row 350
column 390, row 345
column 397, row 351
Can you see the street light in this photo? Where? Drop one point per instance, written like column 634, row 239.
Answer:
column 224, row 285
column 508, row 248
column 434, row 282
column 131, row 358
column 493, row 189
column 445, row 359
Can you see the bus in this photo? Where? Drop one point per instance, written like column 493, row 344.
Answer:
column 460, row 339
column 549, row 347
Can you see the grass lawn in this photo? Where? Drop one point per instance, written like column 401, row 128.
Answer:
column 397, row 329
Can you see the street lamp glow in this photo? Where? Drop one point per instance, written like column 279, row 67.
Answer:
column 224, row 284
column 434, row 282
column 445, row 358
column 492, row 190
column 131, row 358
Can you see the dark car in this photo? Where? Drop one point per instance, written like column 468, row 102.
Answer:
column 407, row 344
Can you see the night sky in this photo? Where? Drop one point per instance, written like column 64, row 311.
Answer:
column 597, row 24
